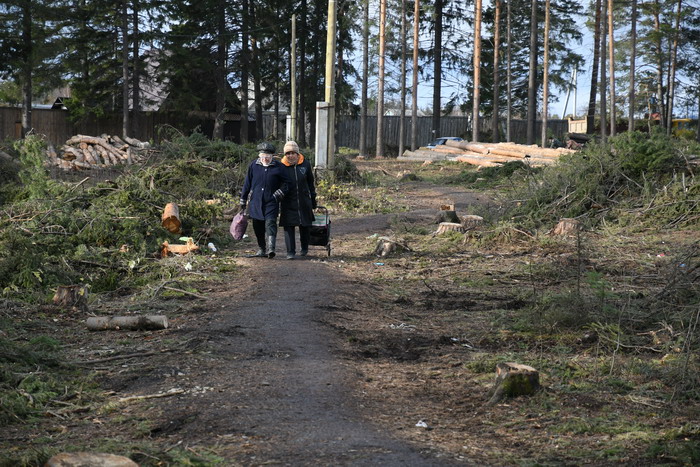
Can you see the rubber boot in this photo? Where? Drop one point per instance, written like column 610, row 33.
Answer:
column 271, row 246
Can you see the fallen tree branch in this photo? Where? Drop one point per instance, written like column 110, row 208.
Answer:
column 172, row 392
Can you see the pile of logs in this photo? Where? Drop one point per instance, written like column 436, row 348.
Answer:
column 93, row 152
column 488, row 154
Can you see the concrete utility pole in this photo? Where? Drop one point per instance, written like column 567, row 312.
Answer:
column 292, row 117
column 325, row 111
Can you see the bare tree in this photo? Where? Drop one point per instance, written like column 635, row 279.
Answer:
column 136, row 68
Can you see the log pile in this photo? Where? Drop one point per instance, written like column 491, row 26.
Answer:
column 488, row 154
column 93, row 152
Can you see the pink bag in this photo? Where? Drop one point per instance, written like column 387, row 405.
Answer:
column 238, row 226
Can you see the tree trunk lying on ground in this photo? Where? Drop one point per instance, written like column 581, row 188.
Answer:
column 131, row 323
column 171, row 218
column 79, row 459
column 92, row 152
column 512, row 380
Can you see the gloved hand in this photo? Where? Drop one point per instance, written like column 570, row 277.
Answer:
column 241, row 207
column 314, row 205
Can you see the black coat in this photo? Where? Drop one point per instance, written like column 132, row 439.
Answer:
column 298, row 204
column 266, row 186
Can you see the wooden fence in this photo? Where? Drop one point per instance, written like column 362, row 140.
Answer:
column 348, row 132
column 56, row 125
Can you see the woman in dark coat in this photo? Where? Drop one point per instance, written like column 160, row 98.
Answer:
column 297, row 207
column 267, row 183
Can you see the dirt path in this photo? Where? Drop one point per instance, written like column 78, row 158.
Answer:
column 274, row 388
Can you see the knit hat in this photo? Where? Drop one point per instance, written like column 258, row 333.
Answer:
column 291, row 146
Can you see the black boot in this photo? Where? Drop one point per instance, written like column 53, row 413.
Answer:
column 271, row 246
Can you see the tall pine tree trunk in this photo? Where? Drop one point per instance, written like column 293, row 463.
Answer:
column 633, row 59
column 414, row 85
column 437, row 68
column 125, row 68
column 136, row 73
column 603, row 73
column 365, row 78
column 220, row 78
column 532, row 79
column 509, row 99
column 245, row 64
column 27, row 68
column 379, row 152
column 545, row 75
column 659, row 64
column 496, row 56
column 257, row 90
column 611, row 54
column 590, row 117
column 477, row 70
column 674, row 63
column 402, row 118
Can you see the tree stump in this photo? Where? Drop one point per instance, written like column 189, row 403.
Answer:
column 567, row 226
column 450, row 227
column 171, row 218
column 471, row 222
column 386, row 246
column 447, row 216
column 130, row 323
column 512, row 380
column 73, row 297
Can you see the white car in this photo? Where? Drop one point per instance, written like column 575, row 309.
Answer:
column 442, row 140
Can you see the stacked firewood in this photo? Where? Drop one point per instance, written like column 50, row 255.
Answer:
column 488, row 154
column 93, row 152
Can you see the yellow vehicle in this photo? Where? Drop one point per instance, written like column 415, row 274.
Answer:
column 682, row 128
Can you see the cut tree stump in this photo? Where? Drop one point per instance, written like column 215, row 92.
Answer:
column 512, row 380
column 171, row 218
column 450, row 227
column 471, row 222
column 567, row 226
column 447, row 216
column 386, row 246
column 130, row 323
column 73, row 297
